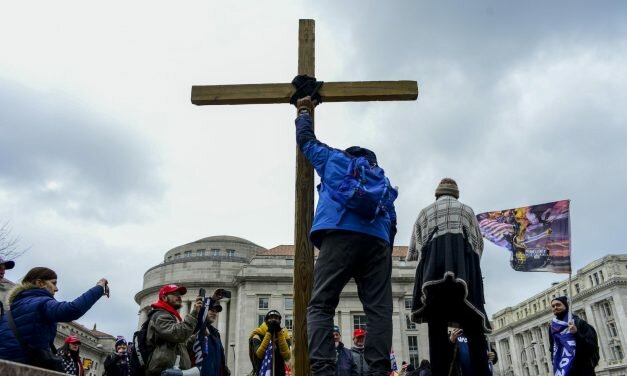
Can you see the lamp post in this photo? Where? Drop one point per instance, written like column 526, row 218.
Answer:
column 533, row 343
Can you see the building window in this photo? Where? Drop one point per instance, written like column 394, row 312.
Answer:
column 169, row 258
column 410, row 325
column 260, row 319
column 288, row 302
column 177, row 256
column 188, row 253
column 617, row 352
column 230, row 252
column 412, row 343
column 289, row 322
column 289, row 262
column 611, row 328
column 606, row 308
column 534, row 307
column 215, row 252
column 200, row 252
column 359, row 322
column 601, row 275
column 577, row 289
column 591, row 282
column 264, row 302
column 596, row 278
column 408, row 303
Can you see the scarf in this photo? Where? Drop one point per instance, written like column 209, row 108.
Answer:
column 166, row 307
column 563, row 346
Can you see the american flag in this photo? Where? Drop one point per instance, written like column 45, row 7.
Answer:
column 266, row 364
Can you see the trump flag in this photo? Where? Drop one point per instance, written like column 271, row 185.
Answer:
column 537, row 236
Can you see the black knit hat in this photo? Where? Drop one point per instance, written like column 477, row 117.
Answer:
column 563, row 299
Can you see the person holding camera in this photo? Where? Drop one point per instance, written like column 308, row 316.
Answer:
column 28, row 329
column 117, row 363
column 168, row 331
column 269, row 345
column 206, row 346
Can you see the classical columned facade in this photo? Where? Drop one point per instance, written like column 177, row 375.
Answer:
column 261, row 279
column 599, row 296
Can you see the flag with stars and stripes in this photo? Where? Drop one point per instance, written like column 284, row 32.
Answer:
column 537, row 236
column 266, row 363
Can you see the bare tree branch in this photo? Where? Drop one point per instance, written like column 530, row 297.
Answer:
column 9, row 249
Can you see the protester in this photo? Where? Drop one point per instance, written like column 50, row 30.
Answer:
column 447, row 243
column 424, row 369
column 70, row 352
column 461, row 364
column 355, row 234
column 168, row 331
column 4, row 265
column 573, row 342
column 118, row 362
column 270, row 344
column 345, row 365
column 206, row 347
column 357, row 350
column 35, row 313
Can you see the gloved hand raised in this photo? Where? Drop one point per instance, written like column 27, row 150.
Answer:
column 274, row 326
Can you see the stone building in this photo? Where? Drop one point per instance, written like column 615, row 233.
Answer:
column 261, row 279
column 95, row 345
column 599, row 296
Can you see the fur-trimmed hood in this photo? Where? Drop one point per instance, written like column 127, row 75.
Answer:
column 20, row 288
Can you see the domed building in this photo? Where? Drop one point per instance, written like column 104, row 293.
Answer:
column 261, row 279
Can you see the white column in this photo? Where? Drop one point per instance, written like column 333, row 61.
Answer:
column 223, row 317
column 184, row 309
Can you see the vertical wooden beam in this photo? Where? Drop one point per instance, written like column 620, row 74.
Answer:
column 304, row 255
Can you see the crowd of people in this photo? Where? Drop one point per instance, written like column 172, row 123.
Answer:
column 354, row 228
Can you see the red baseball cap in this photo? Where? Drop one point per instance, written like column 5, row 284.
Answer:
column 168, row 289
column 359, row 333
column 72, row 339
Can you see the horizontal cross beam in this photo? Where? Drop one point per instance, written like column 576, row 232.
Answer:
column 361, row 91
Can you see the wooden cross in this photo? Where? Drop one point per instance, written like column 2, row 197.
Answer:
column 281, row 93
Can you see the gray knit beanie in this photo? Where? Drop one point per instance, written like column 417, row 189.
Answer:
column 447, row 187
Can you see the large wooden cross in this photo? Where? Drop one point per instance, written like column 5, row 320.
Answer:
column 281, row 93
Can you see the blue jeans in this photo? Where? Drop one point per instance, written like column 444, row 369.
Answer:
column 367, row 259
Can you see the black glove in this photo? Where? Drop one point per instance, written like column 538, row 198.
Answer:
column 274, row 327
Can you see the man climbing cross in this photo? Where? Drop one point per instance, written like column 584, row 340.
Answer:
column 281, row 93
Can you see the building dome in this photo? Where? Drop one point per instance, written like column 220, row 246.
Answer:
column 215, row 246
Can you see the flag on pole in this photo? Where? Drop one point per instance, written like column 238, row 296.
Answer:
column 266, row 363
column 537, row 236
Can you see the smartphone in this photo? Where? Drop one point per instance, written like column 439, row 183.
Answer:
column 107, row 289
column 225, row 293
column 201, row 292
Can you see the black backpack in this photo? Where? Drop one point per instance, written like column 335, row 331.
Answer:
column 141, row 352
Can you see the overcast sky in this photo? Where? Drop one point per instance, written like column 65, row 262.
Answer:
column 105, row 164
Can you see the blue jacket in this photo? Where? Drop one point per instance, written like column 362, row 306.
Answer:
column 36, row 313
column 331, row 165
column 344, row 363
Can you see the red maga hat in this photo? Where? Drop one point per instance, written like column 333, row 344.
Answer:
column 359, row 333
column 168, row 289
column 72, row 339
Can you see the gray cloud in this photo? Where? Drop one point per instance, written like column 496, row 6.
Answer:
column 60, row 154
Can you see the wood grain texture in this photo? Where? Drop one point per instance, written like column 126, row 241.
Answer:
column 361, row 91
column 303, row 218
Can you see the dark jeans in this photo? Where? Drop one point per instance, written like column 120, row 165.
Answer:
column 346, row 254
column 439, row 346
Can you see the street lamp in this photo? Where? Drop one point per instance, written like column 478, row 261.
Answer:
column 533, row 343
